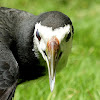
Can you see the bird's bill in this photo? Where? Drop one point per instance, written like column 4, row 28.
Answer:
column 52, row 50
column 51, row 69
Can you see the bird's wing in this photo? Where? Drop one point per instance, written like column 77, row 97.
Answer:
column 8, row 71
column 8, row 93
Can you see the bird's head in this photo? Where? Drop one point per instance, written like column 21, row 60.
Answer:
column 53, row 38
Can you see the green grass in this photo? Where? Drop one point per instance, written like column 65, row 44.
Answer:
column 80, row 79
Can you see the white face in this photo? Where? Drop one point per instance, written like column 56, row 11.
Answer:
column 47, row 33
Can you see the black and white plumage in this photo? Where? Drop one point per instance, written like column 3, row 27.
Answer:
column 29, row 45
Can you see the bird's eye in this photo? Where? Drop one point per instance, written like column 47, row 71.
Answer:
column 38, row 35
column 68, row 37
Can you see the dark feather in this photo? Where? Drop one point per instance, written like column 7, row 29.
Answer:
column 16, row 44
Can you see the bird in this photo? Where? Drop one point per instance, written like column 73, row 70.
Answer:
column 32, row 46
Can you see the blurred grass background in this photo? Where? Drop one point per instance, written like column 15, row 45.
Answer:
column 80, row 79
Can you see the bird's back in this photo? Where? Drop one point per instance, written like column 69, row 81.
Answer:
column 16, row 29
column 11, row 19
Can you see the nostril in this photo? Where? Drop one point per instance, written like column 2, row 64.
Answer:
column 60, row 54
column 45, row 53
